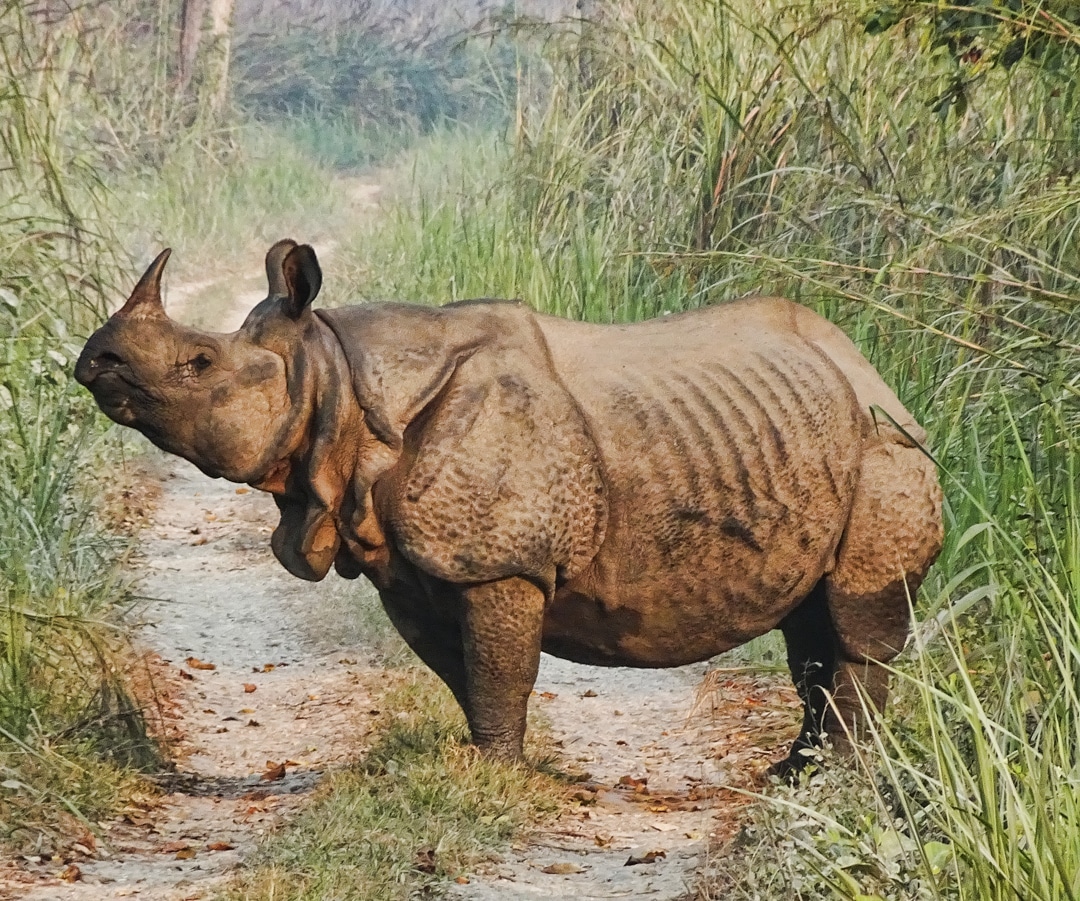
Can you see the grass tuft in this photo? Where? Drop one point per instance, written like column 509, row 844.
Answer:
column 420, row 808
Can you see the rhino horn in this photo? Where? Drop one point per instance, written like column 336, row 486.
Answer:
column 275, row 276
column 145, row 299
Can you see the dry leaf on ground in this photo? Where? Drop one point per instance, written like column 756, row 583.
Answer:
column 639, row 857
column 562, row 869
column 424, row 860
column 638, row 785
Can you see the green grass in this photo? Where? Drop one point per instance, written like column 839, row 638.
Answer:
column 719, row 148
column 70, row 729
column 215, row 195
column 421, row 807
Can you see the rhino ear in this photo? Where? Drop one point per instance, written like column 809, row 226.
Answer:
column 303, row 278
column 275, row 277
column 145, row 299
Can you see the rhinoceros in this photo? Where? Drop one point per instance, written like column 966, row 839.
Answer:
column 643, row 495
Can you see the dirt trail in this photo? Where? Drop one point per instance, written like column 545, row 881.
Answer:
column 255, row 671
column 664, row 751
column 287, row 692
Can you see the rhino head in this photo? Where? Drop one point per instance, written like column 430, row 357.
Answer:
column 252, row 406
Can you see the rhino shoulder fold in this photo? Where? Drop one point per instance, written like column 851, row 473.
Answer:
column 499, row 474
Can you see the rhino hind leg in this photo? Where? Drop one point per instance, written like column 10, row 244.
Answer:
column 812, row 658
column 893, row 534
column 857, row 618
column 837, row 688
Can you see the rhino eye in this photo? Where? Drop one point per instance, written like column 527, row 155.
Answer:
column 200, row 363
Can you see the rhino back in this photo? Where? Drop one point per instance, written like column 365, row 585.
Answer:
column 730, row 447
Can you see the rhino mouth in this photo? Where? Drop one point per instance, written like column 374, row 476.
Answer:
column 113, row 394
column 118, row 395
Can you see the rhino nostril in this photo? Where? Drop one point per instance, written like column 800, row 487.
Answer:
column 108, row 360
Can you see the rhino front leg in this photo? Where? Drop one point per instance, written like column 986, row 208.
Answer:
column 501, row 630
column 439, row 647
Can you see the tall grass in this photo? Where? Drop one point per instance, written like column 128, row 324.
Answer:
column 695, row 151
column 65, row 709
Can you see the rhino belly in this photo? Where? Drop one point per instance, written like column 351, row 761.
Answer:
column 729, row 491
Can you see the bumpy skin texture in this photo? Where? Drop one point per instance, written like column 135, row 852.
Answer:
column 644, row 495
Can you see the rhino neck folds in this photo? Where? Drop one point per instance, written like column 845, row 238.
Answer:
column 322, row 483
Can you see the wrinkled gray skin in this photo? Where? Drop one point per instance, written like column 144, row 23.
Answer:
column 629, row 495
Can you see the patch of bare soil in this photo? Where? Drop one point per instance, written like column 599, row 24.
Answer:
column 665, row 753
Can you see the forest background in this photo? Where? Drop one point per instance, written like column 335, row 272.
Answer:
column 907, row 168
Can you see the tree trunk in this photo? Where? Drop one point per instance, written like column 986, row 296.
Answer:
column 218, row 55
column 192, row 14
column 203, row 70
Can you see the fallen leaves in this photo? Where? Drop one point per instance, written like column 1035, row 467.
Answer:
column 220, row 846
column 184, row 849
column 196, row 663
column 249, row 687
column 641, row 857
column 424, row 860
column 562, row 869
column 259, row 802
column 275, row 771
